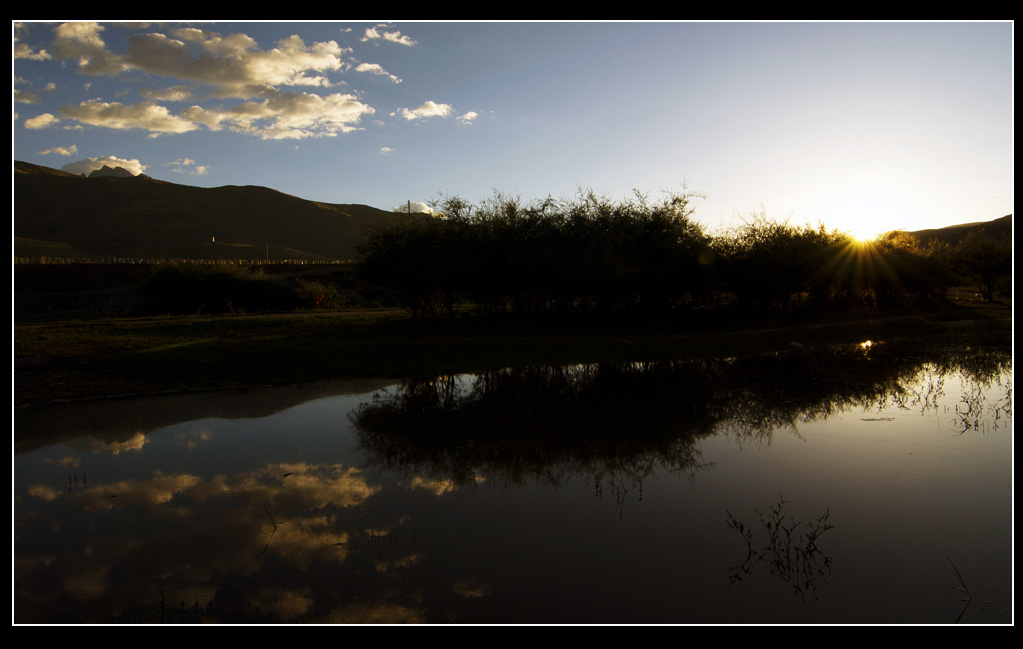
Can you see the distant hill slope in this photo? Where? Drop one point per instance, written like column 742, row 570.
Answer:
column 141, row 217
column 1000, row 228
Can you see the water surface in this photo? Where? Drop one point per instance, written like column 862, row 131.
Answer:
column 867, row 484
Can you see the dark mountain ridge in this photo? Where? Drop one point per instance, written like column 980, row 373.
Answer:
column 112, row 215
column 117, row 172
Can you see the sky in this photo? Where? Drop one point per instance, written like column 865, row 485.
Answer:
column 865, row 127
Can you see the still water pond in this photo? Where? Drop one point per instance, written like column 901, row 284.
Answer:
column 858, row 485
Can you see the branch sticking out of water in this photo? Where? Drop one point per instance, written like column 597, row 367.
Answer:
column 962, row 587
column 271, row 516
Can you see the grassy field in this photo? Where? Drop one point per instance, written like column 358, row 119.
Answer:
column 125, row 357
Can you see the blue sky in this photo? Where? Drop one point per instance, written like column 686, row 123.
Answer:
column 867, row 127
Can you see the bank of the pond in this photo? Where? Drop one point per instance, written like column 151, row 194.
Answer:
column 119, row 358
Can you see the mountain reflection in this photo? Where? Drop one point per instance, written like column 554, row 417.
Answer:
column 551, row 423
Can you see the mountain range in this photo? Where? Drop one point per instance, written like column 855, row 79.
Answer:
column 112, row 213
column 118, row 172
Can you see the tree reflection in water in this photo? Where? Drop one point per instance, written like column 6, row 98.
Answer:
column 621, row 422
column 616, row 424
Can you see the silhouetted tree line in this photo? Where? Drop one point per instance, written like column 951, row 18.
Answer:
column 592, row 254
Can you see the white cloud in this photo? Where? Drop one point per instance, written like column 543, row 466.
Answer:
column 179, row 92
column 41, row 121
column 416, row 206
column 189, row 166
column 374, row 33
column 286, row 116
column 89, row 165
column 25, row 96
column 232, row 64
column 375, row 68
column 82, row 41
column 61, row 150
column 385, row 150
column 145, row 115
column 22, row 51
column 258, row 87
column 427, row 109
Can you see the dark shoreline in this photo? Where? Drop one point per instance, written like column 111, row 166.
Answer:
column 119, row 358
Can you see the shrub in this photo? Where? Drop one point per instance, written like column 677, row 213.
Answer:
column 586, row 253
column 314, row 294
column 179, row 289
column 984, row 261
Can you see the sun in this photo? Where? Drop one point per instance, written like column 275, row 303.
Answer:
column 864, row 235
column 864, row 215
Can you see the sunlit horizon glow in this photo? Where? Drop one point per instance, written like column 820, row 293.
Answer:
column 866, row 215
column 865, row 127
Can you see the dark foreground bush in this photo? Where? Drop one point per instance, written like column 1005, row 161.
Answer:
column 223, row 288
